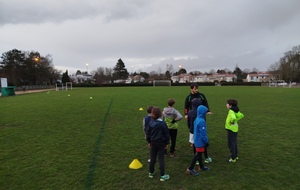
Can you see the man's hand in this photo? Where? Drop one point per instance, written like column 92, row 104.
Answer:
column 209, row 113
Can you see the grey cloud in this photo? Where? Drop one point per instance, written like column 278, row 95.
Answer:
column 197, row 34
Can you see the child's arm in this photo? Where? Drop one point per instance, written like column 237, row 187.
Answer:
column 144, row 127
column 204, row 134
column 178, row 115
column 166, row 134
column 239, row 115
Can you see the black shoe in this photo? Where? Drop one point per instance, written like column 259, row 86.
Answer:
column 205, row 168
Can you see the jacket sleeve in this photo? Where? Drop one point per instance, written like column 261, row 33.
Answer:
column 205, row 102
column 178, row 115
column 186, row 105
column 189, row 122
column 148, row 134
column 166, row 134
column 144, row 126
column 239, row 115
column 204, row 135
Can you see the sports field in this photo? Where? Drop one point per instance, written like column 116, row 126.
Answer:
column 65, row 140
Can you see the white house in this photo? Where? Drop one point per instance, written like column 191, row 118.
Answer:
column 221, row 77
column 135, row 79
column 259, row 77
column 182, row 78
column 200, row 78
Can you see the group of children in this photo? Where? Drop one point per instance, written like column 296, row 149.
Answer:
column 161, row 126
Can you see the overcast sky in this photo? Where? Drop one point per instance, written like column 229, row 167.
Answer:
column 199, row 35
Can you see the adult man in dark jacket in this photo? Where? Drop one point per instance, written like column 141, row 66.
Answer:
column 195, row 94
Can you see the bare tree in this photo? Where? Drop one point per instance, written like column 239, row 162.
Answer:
column 212, row 71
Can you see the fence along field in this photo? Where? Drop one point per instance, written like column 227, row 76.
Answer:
column 55, row 141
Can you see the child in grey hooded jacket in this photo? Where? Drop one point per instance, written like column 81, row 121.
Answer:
column 171, row 116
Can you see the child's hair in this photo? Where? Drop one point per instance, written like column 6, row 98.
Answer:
column 232, row 102
column 156, row 113
column 194, row 85
column 171, row 102
column 149, row 109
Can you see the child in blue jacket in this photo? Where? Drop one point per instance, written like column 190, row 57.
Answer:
column 200, row 140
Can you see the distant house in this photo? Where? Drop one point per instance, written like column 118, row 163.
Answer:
column 135, row 79
column 182, row 78
column 119, row 81
column 81, row 78
column 221, row 77
column 259, row 77
column 200, row 78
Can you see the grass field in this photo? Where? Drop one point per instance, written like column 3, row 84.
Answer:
column 55, row 141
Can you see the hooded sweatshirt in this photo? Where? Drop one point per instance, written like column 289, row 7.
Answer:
column 157, row 132
column 200, row 135
column 192, row 114
column 233, row 116
column 171, row 116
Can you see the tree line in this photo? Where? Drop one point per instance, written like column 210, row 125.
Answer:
column 31, row 68
column 27, row 68
column 288, row 66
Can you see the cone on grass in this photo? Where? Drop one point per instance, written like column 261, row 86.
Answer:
column 135, row 164
column 141, row 109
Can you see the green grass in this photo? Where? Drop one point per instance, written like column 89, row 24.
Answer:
column 56, row 141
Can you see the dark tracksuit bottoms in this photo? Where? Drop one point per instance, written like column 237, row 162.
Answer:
column 173, row 137
column 232, row 143
column 197, row 157
column 157, row 149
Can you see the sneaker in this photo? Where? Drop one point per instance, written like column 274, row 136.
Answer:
column 197, row 162
column 151, row 175
column 164, row 177
column 149, row 160
column 172, row 155
column 232, row 160
column 192, row 172
column 237, row 158
column 208, row 160
column 205, row 168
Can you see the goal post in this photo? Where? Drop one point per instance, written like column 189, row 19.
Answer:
column 59, row 86
column 162, row 83
column 70, row 85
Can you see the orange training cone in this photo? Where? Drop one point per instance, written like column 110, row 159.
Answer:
column 135, row 164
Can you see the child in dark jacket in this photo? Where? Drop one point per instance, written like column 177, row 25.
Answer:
column 200, row 140
column 158, row 139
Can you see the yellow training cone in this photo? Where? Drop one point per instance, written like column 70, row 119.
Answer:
column 135, row 164
column 141, row 109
